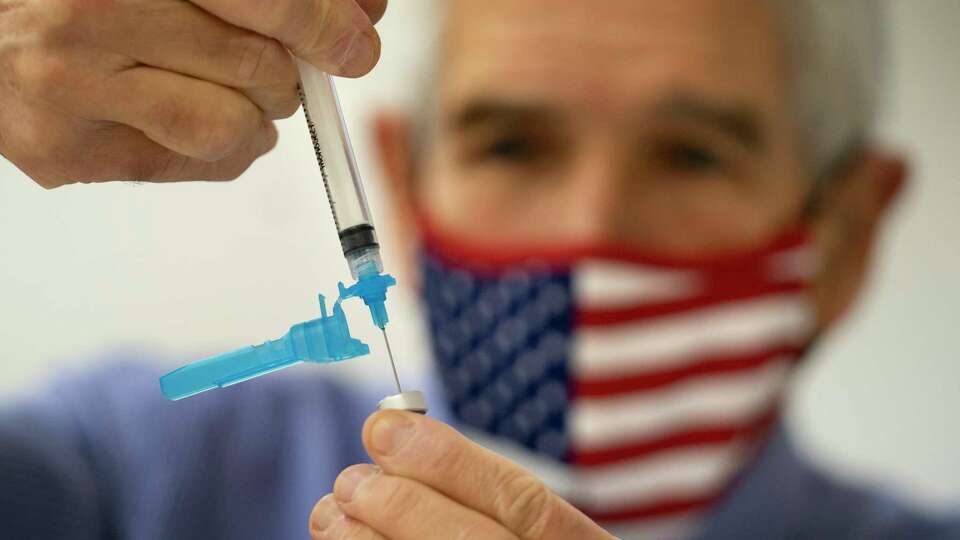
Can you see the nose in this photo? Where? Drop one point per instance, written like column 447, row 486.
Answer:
column 599, row 198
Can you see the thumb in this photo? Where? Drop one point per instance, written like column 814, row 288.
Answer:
column 336, row 36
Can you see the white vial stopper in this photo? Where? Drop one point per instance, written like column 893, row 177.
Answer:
column 412, row 401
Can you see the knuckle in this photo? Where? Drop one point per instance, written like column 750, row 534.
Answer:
column 396, row 498
column 36, row 59
column 35, row 31
column 295, row 20
column 172, row 117
column 320, row 16
column 445, row 452
column 49, row 183
column 251, row 56
column 258, row 60
column 217, row 138
column 41, row 172
column 275, row 15
column 445, row 455
column 72, row 11
column 524, row 505
column 70, row 22
column 286, row 106
column 210, row 134
column 59, row 16
column 41, row 74
column 51, row 162
column 318, row 31
column 13, row 66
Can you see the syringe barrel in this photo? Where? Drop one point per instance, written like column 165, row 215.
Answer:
column 348, row 202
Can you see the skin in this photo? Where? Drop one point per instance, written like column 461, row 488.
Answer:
column 163, row 90
column 661, row 125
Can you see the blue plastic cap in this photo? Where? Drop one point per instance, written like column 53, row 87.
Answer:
column 322, row 340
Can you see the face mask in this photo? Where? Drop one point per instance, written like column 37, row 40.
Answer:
column 649, row 380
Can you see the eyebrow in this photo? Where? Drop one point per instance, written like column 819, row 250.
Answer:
column 738, row 121
column 490, row 111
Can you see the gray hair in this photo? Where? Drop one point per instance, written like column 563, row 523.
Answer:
column 836, row 49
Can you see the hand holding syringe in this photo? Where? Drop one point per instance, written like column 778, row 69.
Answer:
column 199, row 107
column 163, row 91
column 328, row 338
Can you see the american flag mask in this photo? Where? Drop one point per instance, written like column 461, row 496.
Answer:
column 649, row 381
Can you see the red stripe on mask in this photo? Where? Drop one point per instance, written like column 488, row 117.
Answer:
column 687, row 438
column 628, row 314
column 695, row 369
column 486, row 256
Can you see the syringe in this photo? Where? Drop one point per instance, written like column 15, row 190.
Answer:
column 348, row 202
column 326, row 339
column 338, row 166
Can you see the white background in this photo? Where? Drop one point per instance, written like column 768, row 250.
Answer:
column 185, row 270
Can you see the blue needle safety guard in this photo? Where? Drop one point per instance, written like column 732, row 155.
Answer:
column 320, row 341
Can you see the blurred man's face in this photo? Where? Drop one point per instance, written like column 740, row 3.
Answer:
column 665, row 125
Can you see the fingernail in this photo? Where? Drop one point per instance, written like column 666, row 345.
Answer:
column 327, row 514
column 353, row 53
column 390, row 432
column 346, row 486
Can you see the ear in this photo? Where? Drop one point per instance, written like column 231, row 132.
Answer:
column 395, row 149
column 847, row 228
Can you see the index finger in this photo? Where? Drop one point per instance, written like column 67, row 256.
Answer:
column 433, row 453
column 336, row 36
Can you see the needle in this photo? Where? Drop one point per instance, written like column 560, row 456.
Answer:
column 392, row 363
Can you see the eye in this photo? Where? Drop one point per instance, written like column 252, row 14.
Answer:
column 512, row 148
column 692, row 157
